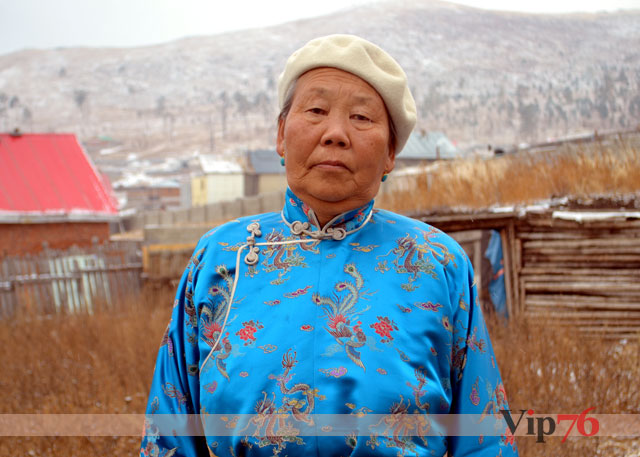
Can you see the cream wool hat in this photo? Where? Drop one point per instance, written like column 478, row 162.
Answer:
column 365, row 60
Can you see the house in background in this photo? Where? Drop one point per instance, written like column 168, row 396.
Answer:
column 264, row 173
column 219, row 180
column 51, row 192
column 422, row 148
column 142, row 192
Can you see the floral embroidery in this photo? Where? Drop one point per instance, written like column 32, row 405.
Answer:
column 382, row 267
column 246, row 333
column 360, row 412
column 211, row 387
column 404, row 309
column 243, row 374
column 462, row 304
column 166, row 340
column 268, row 348
column 367, row 248
column 428, row 306
column 298, row 292
column 306, row 328
column 172, row 392
column 446, row 324
column 475, row 396
column 335, row 372
column 384, row 327
column 474, row 343
column 459, row 358
column 404, row 357
column 381, row 371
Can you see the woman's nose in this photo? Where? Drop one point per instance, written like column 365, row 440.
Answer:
column 335, row 133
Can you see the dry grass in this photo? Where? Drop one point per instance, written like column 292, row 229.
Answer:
column 554, row 370
column 611, row 168
column 104, row 363
column 80, row 364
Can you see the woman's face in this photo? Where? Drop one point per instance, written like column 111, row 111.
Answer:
column 335, row 141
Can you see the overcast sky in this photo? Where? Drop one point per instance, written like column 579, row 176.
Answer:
column 53, row 23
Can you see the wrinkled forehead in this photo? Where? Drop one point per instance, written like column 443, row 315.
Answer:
column 327, row 82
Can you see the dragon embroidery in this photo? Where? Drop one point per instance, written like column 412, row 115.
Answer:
column 403, row 422
column 272, row 424
column 414, row 258
column 283, row 257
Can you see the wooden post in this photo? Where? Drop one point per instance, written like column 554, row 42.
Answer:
column 506, row 260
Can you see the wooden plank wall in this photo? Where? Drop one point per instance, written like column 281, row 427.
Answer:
column 583, row 274
column 164, row 264
column 71, row 281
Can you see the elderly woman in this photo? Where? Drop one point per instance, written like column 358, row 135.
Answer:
column 331, row 328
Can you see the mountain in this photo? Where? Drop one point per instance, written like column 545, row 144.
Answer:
column 479, row 76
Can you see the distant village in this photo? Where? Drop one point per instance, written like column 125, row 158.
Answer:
column 164, row 184
column 53, row 186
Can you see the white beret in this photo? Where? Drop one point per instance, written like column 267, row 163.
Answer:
column 365, row 60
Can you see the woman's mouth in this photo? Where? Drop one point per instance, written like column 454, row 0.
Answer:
column 331, row 165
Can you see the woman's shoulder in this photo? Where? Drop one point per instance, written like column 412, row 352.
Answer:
column 401, row 223
column 239, row 229
column 400, row 227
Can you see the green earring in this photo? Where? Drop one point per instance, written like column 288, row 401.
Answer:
column 384, row 177
column 282, row 161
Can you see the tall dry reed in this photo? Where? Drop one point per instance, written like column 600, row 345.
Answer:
column 581, row 170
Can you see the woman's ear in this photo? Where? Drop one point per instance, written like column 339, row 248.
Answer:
column 280, row 138
column 391, row 160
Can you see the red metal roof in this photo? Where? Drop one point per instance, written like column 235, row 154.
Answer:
column 44, row 174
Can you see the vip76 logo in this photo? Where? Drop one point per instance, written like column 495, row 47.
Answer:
column 546, row 425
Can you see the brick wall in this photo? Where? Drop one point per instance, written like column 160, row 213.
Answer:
column 20, row 239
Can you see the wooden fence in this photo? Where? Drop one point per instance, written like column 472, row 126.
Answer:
column 71, row 281
column 579, row 268
column 584, row 273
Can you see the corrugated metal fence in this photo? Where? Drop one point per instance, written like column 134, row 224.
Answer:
column 70, row 281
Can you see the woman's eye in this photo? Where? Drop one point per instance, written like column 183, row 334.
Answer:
column 360, row 117
column 316, row 110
